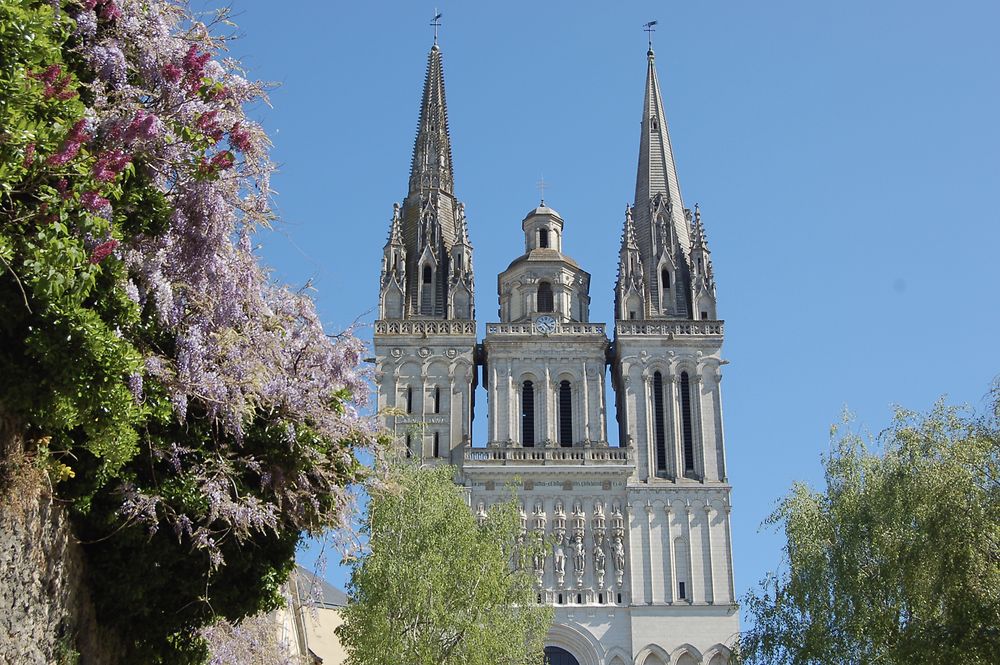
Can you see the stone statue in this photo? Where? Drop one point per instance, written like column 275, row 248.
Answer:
column 539, row 560
column 618, row 551
column 579, row 557
column 559, row 557
column 599, row 558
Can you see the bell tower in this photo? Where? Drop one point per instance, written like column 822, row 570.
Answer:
column 425, row 336
column 667, row 371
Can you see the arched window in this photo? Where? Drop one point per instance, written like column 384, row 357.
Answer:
column 659, row 426
column 665, row 278
column 664, row 289
column 686, row 424
column 545, row 297
column 543, row 238
column 565, row 414
column 437, row 444
column 557, row 656
column 528, row 414
column 427, row 291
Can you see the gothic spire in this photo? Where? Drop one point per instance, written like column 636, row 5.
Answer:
column 657, row 174
column 431, row 167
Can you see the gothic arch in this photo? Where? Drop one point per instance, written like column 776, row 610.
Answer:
column 617, row 656
column 577, row 641
column 681, row 651
column 719, row 654
column 652, row 654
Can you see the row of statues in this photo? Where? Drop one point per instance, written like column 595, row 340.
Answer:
column 574, row 546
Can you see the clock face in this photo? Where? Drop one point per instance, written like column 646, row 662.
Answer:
column 545, row 324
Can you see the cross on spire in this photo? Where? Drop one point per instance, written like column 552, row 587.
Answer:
column 436, row 23
column 650, row 28
column 542, row 184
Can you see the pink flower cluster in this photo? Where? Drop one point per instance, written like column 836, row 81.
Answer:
column 71, row 146
column 94, row 202
column 55, row 82
column 109, row 164
column 108, row 9
column 208, row 125
column 103, row 250
column 194, row 67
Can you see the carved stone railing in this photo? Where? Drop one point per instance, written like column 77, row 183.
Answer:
column 517, row 455
column 669, row 328
column 426, row 327
column 528, row 328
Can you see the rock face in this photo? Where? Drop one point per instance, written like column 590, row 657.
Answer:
column 46, row 616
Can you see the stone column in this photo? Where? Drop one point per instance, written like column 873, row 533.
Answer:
column 670, row 568
column 586, row 404
column 676, row 427
column 690, row 553
column 710, row 581
column 650, row 438
column 696, row 416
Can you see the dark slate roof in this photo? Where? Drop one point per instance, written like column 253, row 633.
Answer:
column 328, row 595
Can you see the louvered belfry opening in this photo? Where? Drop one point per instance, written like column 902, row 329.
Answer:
column 545, row 301
column 686, row 425
column 528, row 414
column 659, row 425
column 565, row 414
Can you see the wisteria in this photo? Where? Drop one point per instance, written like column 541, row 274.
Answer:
column 244, row 412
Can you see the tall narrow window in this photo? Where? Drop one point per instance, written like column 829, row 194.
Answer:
column 528, row 414
column 437, row 400
column 665, row 278
column 409, row 399
column 427, row 292
column 437, row 444
column 664, row 289
column 565, row 414
column 686, row 424
column 659, row 425
column 543, row 238
column 544, row 297
column 409, row 451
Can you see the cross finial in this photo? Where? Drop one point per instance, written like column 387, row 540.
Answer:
column 436, row 23
column 650, row 28
column 541, row 188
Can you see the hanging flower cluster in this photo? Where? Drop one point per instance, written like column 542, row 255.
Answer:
column 203, row 402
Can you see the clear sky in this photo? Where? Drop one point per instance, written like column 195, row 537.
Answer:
column 846, row 156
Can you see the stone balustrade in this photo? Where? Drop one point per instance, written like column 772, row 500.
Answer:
column 504, row 454
column 426, row 327
column 668, row 328
column 528, row 328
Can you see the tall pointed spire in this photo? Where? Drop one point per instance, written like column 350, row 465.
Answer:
column 437, row 247
column 431, row 167
column 662, row 231
column 657, row 173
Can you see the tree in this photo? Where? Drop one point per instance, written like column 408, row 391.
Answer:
column 195, row 415
column 434, row 586
column 898, row 560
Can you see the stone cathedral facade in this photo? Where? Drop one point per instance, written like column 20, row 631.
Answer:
column 640, row 569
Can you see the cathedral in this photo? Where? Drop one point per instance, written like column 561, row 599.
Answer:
column 640, row 567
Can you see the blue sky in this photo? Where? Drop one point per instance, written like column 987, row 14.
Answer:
column 845, row 156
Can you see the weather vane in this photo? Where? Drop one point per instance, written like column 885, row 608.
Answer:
column 541, row 188
column 650, row 28
column 436, row 22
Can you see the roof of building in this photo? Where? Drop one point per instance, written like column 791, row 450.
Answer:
column 544, row 255
column 313, row 588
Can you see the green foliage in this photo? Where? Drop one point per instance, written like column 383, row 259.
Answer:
column 898, row 561
column 435, row 587
column 189, row 492
column 65, row 354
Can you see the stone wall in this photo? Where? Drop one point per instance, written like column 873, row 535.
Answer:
column 46, row 616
